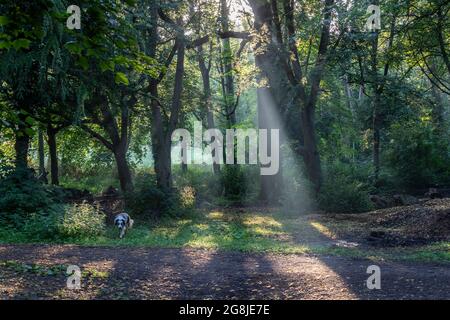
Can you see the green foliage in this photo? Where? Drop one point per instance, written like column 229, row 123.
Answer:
column 28, row 206
column 76, row 221
column 43, row 225
column 95, row 184
column 234, row 183
column 340, row 193
column 148, row 201
column 121, row 78
column 21, row 196
column 187, row 197
column 98, row 78
column 417, row 156
column 206, row 184
column 82, row 221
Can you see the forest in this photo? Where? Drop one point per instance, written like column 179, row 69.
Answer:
column 253, row 126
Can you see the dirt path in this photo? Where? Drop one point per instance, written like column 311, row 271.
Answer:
column 123, row 273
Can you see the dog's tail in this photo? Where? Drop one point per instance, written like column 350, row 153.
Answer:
column 131, row 223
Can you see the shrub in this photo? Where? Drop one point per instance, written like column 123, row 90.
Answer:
column 82, row 221
column 233, row 182
column 44, row 225
column 417, row 156
column 207, row 185
column 61, row 222
column 187, row 197
column 149, row 201
column 21, row 196
column 342, row 194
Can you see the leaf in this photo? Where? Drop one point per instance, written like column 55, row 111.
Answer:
column 29, row 132
column 5, row 45
column 92, row 53
column 21, row 44
column 121, row 78
column 4, row 20
column 29, row 120
column 84, row 63
column 121, row 60
column 5, row 123
column 74, row 47
column 107, row 66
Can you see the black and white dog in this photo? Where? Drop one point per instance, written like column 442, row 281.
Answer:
column 123, row 222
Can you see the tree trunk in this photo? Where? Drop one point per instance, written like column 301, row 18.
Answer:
column 41, row 155
column 207, row 96
column 440, row 31
column 274, row 60
column 378, row 88
column 163, row 164
column 53, row 152
column 350, row 98
column 161, row 137
column 311, row 153
column 311, row 150
column 227, row 56
column 438, row 112
column 184, row 168
column 161, row 158
column 123, row 169
column 22, row 144
column 271, row 95
column 270, row 186
column 376, row 136
column 21, row 147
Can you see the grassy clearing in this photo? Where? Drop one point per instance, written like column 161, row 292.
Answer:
column 249, row 232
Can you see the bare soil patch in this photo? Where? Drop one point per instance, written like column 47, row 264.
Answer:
column 419, row 224
column 138, row 273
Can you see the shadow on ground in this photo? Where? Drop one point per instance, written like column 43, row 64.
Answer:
column 187, row 273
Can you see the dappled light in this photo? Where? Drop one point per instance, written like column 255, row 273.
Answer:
column 224, row 150
column 323, row 230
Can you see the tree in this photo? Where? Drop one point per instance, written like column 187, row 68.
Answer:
column 162, row 126
column 275, row 55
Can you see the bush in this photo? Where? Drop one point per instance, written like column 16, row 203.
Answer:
column 147, row 200
column 82, row 221
column 44, row 225
column 417, row 156
column 75, row 221
column 206, row 184
column 187, row 197
column 342, row 194
column 233, row 182
column 22, row 195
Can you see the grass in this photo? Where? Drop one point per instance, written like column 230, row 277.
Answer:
column 50, row 270
column 212, row 230
column 260, row 232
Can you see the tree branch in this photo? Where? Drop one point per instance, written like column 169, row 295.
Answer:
column 97, row 136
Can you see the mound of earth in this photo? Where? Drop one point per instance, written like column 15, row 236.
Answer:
column 411, row 225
